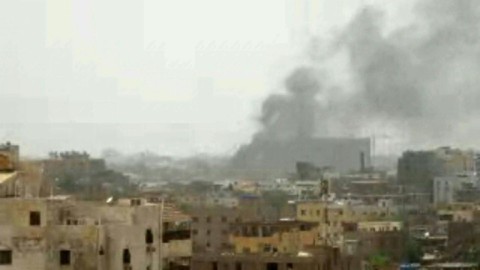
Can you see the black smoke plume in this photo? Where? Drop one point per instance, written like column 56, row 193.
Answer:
column 422, row 79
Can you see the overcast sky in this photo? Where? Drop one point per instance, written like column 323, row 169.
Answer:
column 176, row 77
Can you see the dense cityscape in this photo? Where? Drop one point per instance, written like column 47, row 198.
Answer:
column 74, row 211
column 239, row 135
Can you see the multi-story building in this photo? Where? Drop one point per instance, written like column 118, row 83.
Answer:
column 284, row 237
column 211, row 229
column 60, row 233
column 331, row 217
column 176, row 250
column 418, row 168
column 446, row 188
column 321, row 258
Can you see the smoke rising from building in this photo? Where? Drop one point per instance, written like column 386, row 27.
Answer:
column 419, row 82
column 422, row 79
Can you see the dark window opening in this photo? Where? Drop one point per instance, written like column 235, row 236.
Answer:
column 5, row 257
column 126, row 258
column 238, row 266
column 272, row 266
column 35, row 218
column 289, row 266
column 214, row 266
column 64, row 257
column 149, row 237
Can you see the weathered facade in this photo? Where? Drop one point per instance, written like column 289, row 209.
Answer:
column 322, row 258
column 62, row 234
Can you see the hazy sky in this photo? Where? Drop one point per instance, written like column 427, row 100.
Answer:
column 173, row 76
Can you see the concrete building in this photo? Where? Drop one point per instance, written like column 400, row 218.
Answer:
column 320, row 258
column 58, row 233
column 445, row 188
column 331, row 217
column 418, row 168
column 283, row 237
column 9, row 156
column 221, row 199
column 211, row 228
column 176, row 250
column 75, row 164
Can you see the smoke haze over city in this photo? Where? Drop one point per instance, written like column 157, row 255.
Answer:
column 376, row 69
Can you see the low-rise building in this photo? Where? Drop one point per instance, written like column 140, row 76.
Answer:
column 211, row 228
column 320, row 258
column 285, row 237
column 61, row 233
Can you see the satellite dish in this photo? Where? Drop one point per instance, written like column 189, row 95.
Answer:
column 110, row 200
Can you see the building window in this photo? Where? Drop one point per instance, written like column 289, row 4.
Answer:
column 126, row 258
column 35, row 219
column 289, row 266
column 224, row 219
column 238, row 266
column 149, row 237
column 303, row 212
column 214, row 266
column 208, row 232
column 64, row 257
column 208, row 219
column 194, row 232
column 271, row 266
column 195, row 219
column 318, row 212
column 5, row 257
column 208, row 244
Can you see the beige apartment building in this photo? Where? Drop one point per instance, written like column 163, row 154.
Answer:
column 59, row 233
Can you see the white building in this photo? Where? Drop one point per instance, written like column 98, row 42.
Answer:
column 445, row 187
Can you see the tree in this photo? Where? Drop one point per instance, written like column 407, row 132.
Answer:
column 379, row 261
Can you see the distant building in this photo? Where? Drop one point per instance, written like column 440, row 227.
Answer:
column 417, row 169
column 280, row 237
column 211, row 229
column 331, row 217
column 9, row 157
column 277, row 157
column 445, row 188
column 72, row 164
column 324, row 258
